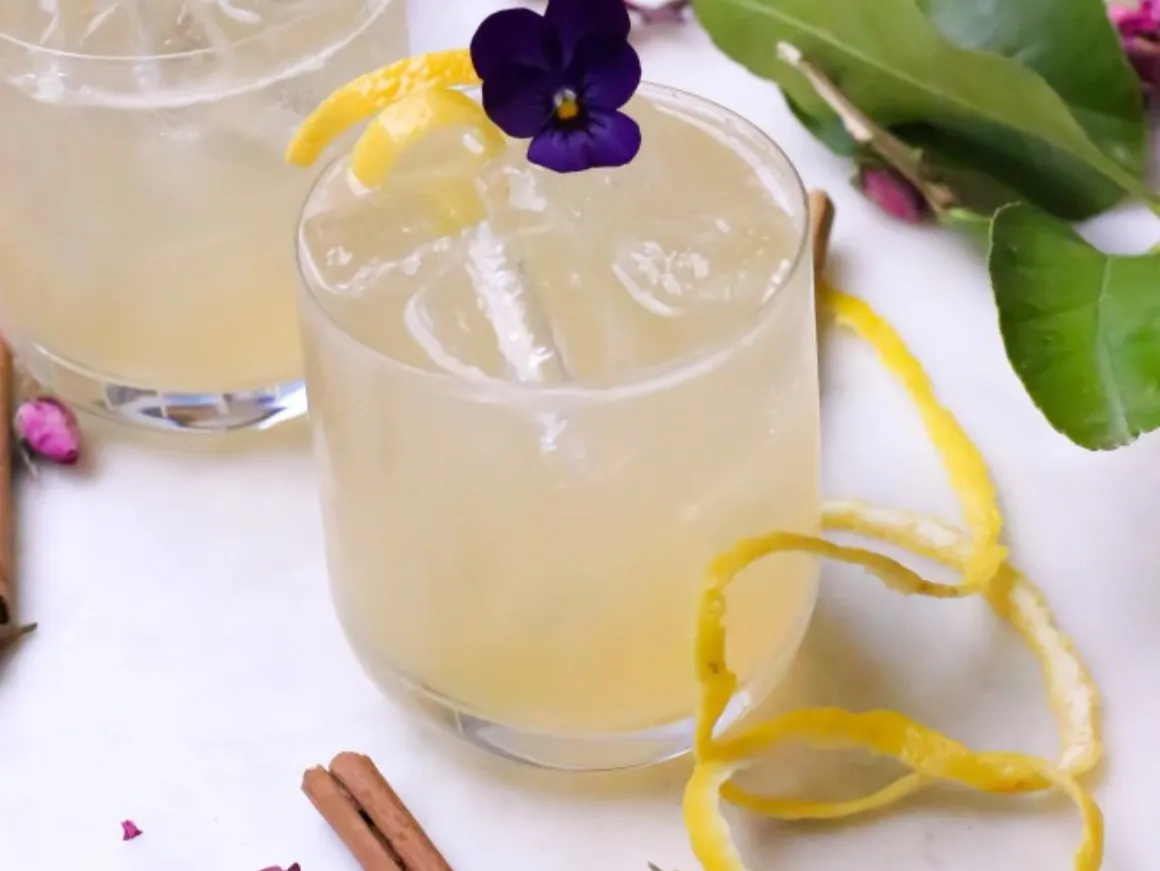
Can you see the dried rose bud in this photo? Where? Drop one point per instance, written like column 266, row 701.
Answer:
column 1139, row 20
column 1139, row 28
column 48, row 428
column 892, row 193
column 129, row 830
column 294, row 867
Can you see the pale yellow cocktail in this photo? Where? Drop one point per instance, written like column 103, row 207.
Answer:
column 534, row 432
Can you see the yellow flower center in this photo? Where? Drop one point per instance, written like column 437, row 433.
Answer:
column 567, row 105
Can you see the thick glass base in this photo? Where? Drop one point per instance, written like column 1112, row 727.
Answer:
column 260, row 408
column 563, row 752
column 575, row 752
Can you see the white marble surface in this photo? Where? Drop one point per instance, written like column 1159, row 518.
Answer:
column 189, row 668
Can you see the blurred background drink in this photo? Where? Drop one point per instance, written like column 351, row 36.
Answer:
column 146, row 213
column 534, row 432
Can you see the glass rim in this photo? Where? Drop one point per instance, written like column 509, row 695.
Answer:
column 702, row 358
column 161, row 59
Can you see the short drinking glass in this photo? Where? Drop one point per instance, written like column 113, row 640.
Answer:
column 145, row 204
column 534, row 432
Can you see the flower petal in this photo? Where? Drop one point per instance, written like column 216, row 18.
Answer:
column 607, row 139
column 573, row 20
column 514, row 36
column 606, row 71
column 518, row 99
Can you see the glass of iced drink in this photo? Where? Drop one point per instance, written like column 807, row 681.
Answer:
column 535, row 431
column 145, row 205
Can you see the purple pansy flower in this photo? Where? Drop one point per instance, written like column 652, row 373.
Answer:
column 559, row 79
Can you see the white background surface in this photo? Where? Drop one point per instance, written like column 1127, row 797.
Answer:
column 188, row 668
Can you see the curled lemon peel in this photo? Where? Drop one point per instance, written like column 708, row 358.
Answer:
column 407, row 101
column 982, row 562
column 965, row 466
column 931, row 755
column 410, row 119
column 359, row 99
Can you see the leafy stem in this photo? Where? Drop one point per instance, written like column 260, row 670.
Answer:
column 906, row 160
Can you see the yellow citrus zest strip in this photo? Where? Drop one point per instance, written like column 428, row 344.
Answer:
column 885, row 733
column 717, row 682
column 965, row 466
column 361, row 98
column 983, row 563
column 407, row 121
column 1071, row 690
column 1070, row 687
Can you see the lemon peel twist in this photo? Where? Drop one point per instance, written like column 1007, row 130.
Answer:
column 358, row 100
column 985, row 571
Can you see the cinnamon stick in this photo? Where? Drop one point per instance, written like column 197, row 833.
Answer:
column 821, row 225
column 369, row 817
column 379, row 801
column 10, row 630
column 344, row 816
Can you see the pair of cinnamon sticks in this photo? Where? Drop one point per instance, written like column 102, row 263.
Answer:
column 369, row 817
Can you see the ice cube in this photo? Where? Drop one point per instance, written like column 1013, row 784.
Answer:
column 518, row 318
column 545, row 221
column 674, row 268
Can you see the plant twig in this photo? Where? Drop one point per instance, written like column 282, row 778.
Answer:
column 821, row 225
column 865, row 132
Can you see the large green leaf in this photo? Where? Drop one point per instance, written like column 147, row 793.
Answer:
column 893, row 63
column 1074, row 47
column 1082, row 328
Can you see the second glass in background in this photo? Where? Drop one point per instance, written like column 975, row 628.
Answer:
column 145, row 204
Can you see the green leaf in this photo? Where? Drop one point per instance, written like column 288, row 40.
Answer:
column 1081, row 328
column 1074, row 47
column 892, row 62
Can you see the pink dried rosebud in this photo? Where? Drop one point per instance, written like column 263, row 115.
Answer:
column 129, row 830
column 1139, row 20
column 1139, row 28
column 894, row 194
column 1144, row 55
column 48, row 428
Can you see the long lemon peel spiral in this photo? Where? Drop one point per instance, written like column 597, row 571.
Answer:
column 981, row 559
column 412, row 98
